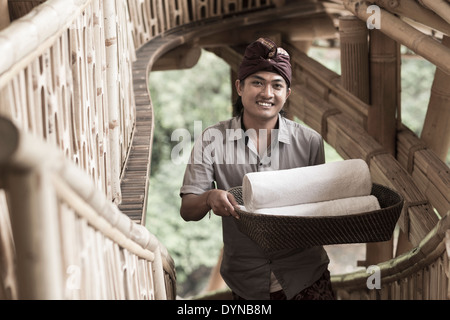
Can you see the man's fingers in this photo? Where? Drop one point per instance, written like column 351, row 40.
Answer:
column 225, row 206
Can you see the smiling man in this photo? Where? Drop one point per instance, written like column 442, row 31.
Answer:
column 266, row 140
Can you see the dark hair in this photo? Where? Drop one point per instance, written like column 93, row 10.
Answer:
column 238, row 108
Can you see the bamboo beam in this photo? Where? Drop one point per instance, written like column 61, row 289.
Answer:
column 436, row 128
column 431, row 175
column 27, row 38
column 327, row 84
column 305, row 28
column 403, row 33
column 182, row 57
column 440, row 7
column 414, row 11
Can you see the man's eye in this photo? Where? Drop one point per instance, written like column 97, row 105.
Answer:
column 278, row 86
column 257, row 83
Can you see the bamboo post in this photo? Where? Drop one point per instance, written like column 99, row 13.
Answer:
column 4, row 14
column 157, row 269
column 112, row 73
column 354, row 57
column 436, row 133
column 36, row 235
column 381, row 122
column 8, row 279
column 35, row 220
column 385, row 91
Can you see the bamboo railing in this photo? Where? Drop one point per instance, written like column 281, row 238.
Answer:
column 70, row 241
column 420, row 274
column 65, row 77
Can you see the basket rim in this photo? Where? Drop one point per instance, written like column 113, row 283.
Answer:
column 338, row 217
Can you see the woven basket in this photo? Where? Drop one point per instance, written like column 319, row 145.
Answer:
column 275, row 232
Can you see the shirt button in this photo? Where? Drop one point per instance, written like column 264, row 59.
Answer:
column 269, row 261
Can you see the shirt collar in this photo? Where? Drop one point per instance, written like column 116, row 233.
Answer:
column 237, row 125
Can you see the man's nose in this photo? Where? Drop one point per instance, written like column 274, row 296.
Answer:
column 267, row 91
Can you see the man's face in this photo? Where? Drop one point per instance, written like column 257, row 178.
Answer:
column 263, row 94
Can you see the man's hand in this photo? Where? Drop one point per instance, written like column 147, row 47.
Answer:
column 194, row 207
column 222, row 203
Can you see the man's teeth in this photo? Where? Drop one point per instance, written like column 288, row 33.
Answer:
column 264, row 104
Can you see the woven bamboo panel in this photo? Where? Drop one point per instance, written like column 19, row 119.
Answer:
column 152, row 18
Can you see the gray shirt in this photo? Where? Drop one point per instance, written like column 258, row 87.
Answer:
column 224, row 154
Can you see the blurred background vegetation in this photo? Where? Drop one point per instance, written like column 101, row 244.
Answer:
column 203, row 93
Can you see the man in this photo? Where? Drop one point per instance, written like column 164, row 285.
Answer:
column 257, row 139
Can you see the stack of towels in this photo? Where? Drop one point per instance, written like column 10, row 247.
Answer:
column 332, row 189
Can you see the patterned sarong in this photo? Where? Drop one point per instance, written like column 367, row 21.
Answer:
column 319, row 290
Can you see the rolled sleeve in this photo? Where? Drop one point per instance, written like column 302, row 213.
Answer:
column 198, row 179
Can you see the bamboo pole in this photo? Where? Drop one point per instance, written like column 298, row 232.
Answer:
column 403, row 33
column 431, row 175
column 385, row 91
column 36, row 235
column 8, row 279
column 440, row 7
column 112, row 74
column 415, row 11
column 4, row 14
column 313, row 73
column 436, row 128
column 353, row 36
column 27, row 38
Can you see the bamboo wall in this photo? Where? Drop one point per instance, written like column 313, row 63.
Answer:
column 58, row 83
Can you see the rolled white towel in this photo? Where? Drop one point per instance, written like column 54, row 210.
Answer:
column 332, row 208
column 330, row 181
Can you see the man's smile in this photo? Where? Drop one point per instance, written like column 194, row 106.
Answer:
column 265, row 104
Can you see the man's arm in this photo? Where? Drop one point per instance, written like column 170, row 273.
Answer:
column 194, row 207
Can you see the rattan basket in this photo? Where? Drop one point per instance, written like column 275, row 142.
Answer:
column 275, row 232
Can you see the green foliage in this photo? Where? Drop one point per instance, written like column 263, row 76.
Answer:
column 181, row 97
column 417, row 79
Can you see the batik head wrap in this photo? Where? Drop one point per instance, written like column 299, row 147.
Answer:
column 264, row 55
